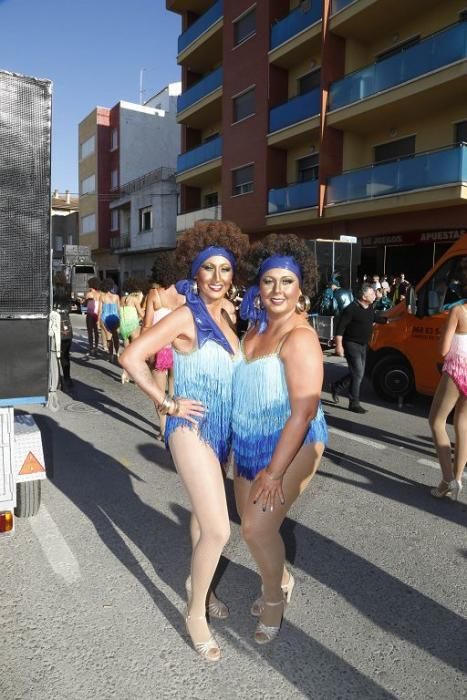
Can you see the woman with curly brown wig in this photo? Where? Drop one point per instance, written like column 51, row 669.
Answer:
column 279, row 430
column 198, row 428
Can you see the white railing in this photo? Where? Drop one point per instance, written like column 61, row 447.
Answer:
column 185, row 221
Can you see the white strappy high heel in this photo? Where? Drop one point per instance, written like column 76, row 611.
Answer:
column 210, row 649
column 287, row 588
column 216, row 608
column 266, row 633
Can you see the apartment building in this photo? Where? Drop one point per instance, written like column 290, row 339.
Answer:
column 64, row 222
column 121, row 150
column 327, row 118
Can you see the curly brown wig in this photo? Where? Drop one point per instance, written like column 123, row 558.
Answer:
column 283, row 244
column 133, row 284
column 107, row 284
column 164, row 268
column 206, row 233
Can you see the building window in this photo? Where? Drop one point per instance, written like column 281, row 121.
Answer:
column 88, row 223
column 310, row 81
column 461, row 132
column 88, row 185
column 395, row 150
column 244, row 105
column 145, row 219
column 114, row 220
column 308, row 168
column 114, row 179
column 403, row 46
column 245, row 26
column 59, row 243
column 87, row 148
column 113, row 139
column 242, row 180
column 211, row 200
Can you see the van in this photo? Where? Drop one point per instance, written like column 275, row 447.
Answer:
column 404, row 352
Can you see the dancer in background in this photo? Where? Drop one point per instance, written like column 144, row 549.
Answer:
column 109, row 318
column 92, row 301
column 131, row 315
column 452, row 394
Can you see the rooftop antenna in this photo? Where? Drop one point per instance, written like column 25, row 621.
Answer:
column 141, row 89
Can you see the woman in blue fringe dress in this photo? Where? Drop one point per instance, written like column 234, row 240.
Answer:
column 279, row 430
column 199, row 415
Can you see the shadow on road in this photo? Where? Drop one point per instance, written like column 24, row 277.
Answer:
column 102, row 489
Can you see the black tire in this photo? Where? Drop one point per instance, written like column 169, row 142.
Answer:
column 28, row 498
column 392, row 378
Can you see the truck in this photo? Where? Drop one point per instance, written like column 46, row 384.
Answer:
column 404, row 353
column 77, row 266
column 25, row 290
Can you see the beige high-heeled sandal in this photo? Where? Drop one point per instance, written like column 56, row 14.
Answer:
column 210, row 650
column 258, row 606
column 266, row 633
column 447, row 488
column 216, row 608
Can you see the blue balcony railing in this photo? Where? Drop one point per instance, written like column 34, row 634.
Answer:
column 199, row 155
column 338, row 5
column 201, row 25
column 295, row 110
column 432, row 169
column 436, row 51
column 301, row 195
column 295, row 22
column 201, row 89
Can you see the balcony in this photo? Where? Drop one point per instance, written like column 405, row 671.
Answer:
column 301, row 195
column 434, row 169
column 194, row 165
column 186, row 221
column 198, row 34
column 432, row 54
column 121, row 242
column 293, row 36
column 297, row 112
column 201, row 104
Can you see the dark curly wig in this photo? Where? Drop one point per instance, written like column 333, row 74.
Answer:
column 107, row 284
column 164, row 268
column 283, row 244
column 133, row 284
column 205, row 233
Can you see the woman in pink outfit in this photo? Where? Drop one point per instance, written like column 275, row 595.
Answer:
column 452, row 394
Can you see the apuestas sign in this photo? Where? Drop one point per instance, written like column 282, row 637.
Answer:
column 413, row 237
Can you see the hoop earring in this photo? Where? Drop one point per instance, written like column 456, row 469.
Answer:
column 232, row 293
column 303, row 304
column 257, row 303
column 194, row 287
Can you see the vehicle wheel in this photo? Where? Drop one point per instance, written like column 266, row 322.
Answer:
column 28, row 498
column 393, row 378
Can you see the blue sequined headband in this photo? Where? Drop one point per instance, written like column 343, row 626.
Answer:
column 210, row 252
column 286, row 262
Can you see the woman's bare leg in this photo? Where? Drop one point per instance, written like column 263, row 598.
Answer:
column 260, row 528
column 444, row 401
column 460, row 427
column 201, row 474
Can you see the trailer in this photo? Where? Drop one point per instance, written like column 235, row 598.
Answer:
column 25, row 289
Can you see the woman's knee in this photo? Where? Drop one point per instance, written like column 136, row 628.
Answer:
column 218, row 535
column 252, row 531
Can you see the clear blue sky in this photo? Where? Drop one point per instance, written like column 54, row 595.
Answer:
column 92, row 50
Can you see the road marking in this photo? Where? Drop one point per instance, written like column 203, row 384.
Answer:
column 357, row 438
column 428, row 463
column 60, row 557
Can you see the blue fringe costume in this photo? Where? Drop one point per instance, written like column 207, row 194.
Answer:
column 206, row 375
column 260, row 410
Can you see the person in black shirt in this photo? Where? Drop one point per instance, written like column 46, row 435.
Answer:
column 353, row 333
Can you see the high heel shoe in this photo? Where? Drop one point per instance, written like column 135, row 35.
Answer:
column 287, row 588
column 447, row 488
column 125, row 378
column 208, row 650
column 216, row 608
column 266, row 633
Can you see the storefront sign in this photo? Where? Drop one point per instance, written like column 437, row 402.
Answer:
column 413, row 238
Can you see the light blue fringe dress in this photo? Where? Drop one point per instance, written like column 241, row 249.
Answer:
column 205, row 375
column 261, row 409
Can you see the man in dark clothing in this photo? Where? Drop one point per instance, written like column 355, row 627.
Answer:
column 353, row 333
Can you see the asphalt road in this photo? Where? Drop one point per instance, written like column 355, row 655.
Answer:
column 92, row 594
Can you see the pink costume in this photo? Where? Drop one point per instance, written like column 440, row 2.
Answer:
column 455, row 362
column 164, row 358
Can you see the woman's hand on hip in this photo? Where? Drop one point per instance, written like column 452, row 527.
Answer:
column 190, row 410
column 268, row 493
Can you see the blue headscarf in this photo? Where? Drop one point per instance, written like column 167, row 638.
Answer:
column 248, row 310
column 206, row 327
